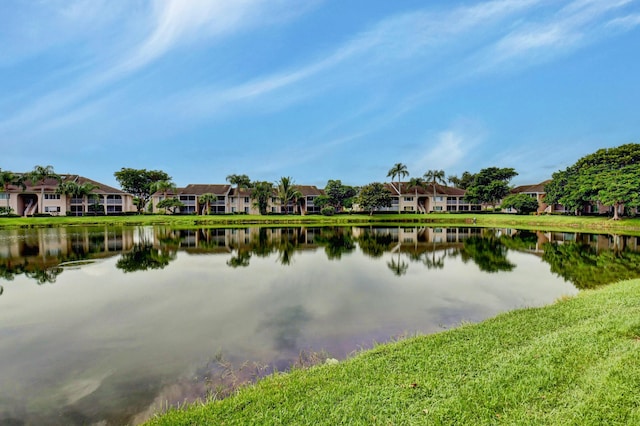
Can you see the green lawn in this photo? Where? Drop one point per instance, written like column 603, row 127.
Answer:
column 575, row 362
column 550, row 222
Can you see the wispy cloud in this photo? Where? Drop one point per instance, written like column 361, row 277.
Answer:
column 449, row 148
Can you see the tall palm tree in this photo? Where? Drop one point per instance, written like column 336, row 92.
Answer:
column 9, row 178
column 415, row 183
column 40, row 174
column 75, row 190
column 163, row 186
column 399, row 170
column 207, row 199
column 434, row 177
column 240, row 181
column 287, row 192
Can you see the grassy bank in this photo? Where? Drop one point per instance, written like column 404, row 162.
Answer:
column 551, row 222
column 574, row 362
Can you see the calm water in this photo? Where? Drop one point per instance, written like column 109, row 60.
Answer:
column 107, row 326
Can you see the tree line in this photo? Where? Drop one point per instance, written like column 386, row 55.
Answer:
column 610, row 176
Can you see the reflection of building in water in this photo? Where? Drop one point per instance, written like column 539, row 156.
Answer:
column 598, row 242
column 36, row 250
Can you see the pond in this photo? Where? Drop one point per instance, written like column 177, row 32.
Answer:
column 110, row 325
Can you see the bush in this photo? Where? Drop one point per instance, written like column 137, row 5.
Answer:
column 327, row 211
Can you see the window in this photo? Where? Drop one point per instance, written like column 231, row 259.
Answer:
column 439, row 199
column 51, row 196
column 4, row 196
column 246, row 199
column 52, row 209
column 408, row 208
column 408, row 198
column 437, row 208
column 246, row 209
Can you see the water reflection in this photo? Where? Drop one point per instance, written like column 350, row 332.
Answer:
column 586, row 260
column 145, row 316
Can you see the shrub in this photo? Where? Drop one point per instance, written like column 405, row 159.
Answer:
column 327, row 211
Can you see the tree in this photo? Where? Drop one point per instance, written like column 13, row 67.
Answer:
column 140, row 183
column 415, row 183
column 240, row 181
column 170, row 203
column 40, row 174
column 8, row 178
column 287, row 192
column 523, row 203
column 462, row 182
column 399, row 170
column 434, row 177
column 609, row 176
column 338, row 195
column 262, row 191
column 490, row 185
column 76, row 190
column 208, row 199
column 374, row 196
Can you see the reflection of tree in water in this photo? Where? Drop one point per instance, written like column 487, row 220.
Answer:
column 287, row 245
column 286, row 326
column 260, row 245
column 47, row 275
column 336, row 241
column 586, row 267
column 241, row 259
column 399, row 267
column 144, row 256
column 373, row 244
column 487, row 252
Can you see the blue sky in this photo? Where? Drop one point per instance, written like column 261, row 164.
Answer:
column 315, row 89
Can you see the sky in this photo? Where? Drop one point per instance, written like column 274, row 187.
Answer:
column 315, row 89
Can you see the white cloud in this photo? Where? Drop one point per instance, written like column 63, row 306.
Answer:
column 449, row 148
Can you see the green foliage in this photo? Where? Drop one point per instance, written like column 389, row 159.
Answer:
column 488, row 252
column 140, row 183
column 462, row 182
column 40, row 173
column 523, row 203
column 328, row 211
column 262, row 191
column 588, row 267
column 207, row 199
column 172, row 204
column 144, row 257
column 287, row 193
column 338, row 195
column 490, row 185
column 399, row 170
column 374, row 196
column 610, row 176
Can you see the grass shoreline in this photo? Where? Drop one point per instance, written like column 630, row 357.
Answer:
column 573, row 362
column 546, row 222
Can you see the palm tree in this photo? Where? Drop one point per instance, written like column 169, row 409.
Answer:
column 434, row 177
column 207, row 199
column 163, row 186
column 399, row 170
column 240, row 181
column 415, row 183
column 287, row 192
column 39, row 174
column 76, row 190
column 8, row 178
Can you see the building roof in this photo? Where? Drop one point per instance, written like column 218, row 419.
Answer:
column 537, row 188
column 200, row 189
column 51, row 184
column 309, row 190
column 424, row 191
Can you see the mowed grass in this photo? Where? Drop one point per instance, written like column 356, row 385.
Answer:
column 549, row 222
column 576, row 362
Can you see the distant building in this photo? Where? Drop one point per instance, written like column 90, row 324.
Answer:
column 42, row 197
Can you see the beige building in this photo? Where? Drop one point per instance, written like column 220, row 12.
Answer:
column 430, row 198
column 42, row 197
